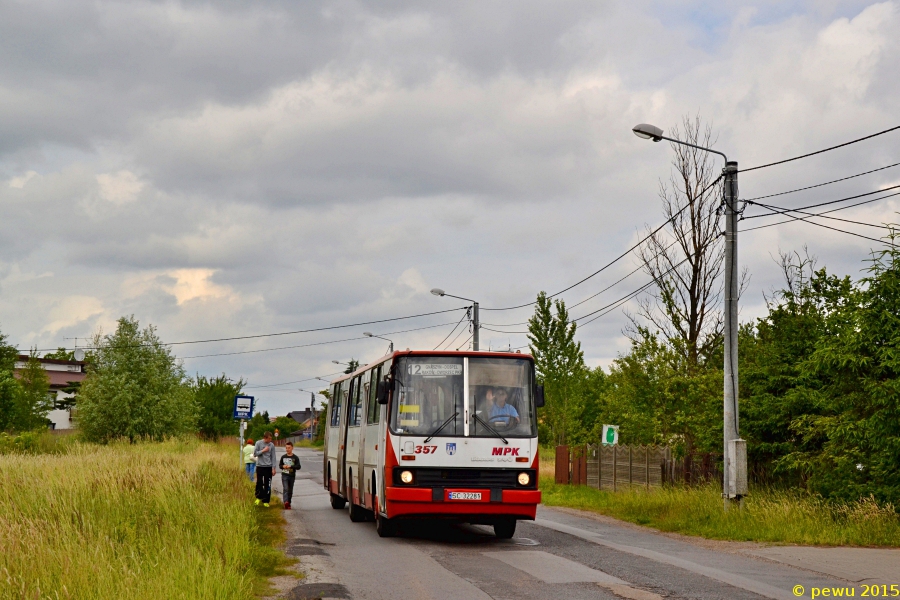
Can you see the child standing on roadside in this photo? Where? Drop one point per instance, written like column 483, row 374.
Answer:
column 264, row 451
column 249, row 459
column 289, row 464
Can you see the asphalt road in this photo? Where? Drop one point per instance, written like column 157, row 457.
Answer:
column 561, row 555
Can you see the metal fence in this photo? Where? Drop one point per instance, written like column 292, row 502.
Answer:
column 617, row 467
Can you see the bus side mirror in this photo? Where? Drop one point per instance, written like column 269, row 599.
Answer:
column 384, row 389
column 539, row 396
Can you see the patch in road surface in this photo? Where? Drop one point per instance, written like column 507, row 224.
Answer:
column 315, row 591
column 550, row 568
column 301, row 550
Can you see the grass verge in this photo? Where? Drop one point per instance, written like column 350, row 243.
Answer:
column 768, row 515
column 166, row 520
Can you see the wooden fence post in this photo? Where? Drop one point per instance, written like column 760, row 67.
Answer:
column 647, row 465
column 562, row 465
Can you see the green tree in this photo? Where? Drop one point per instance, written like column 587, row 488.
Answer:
column 33, row 400
column 559, row 363
column 853, row 378
column 134, row 388
column 774, row 390
column 215, row 405
column 351, row 366
column 61, row 354
column 9, row 387
column 655, row 399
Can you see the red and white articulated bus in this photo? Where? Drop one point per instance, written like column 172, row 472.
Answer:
column 422, row 434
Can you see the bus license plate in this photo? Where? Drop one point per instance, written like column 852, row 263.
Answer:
column 465, row 496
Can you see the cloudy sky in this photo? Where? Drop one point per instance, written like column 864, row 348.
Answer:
column 225, row 169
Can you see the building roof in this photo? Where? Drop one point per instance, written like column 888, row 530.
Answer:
column 60, row 372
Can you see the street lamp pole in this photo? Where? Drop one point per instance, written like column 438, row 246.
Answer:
column 734, row 454
column 476, row 325
column 372, row 335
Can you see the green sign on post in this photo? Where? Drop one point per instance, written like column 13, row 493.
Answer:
column 610, row 435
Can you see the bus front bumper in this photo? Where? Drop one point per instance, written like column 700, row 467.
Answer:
column 412, row 501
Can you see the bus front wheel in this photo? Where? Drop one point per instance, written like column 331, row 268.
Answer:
column 505, row 529
column 337, row 502
column 384, row 526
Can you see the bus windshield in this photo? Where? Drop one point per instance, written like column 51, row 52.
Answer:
column 429, row 393
column 500, row 396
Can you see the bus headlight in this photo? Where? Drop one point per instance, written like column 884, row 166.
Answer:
column 524, row 478
column 407, row 476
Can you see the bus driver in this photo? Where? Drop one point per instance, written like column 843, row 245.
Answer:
column 501, row 412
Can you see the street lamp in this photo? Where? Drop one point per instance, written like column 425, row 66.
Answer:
column 734, row 484
column 475, row 323
column 371, row 335
column 337, row 362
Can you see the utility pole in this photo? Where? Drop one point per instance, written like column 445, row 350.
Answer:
column 476, row 327
column 734, row 463
column 734, row 449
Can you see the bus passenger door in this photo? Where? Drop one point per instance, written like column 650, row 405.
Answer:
column 346, row 388
column 384, row 411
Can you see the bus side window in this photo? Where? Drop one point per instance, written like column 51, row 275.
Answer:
column 374, row 407
column 354, row 403
column 336, row 410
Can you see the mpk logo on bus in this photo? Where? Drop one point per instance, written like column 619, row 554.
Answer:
column 501, row 451
column 451, row 449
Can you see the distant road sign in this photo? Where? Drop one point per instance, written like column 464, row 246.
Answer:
column 243, row 407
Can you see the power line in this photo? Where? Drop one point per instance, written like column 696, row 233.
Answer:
column 794, row 210
column 787, row 160
column 809, row 187
column 633, row 293
column 615, row 283
column 792, row 219
column 624, row 254
column 893, row 187
column 452, row 330
column 308, row 345
column 453, row 341
column 254, row 387
column 264, row 335
column 498, row 331
column 466, row 342
column 806, row 220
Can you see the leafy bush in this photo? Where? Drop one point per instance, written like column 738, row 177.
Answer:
column 215, row 405
column 134, row 388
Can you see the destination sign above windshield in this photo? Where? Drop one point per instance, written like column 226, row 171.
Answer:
column 434, row 370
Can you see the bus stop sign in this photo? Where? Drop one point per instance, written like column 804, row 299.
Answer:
column 243, row 407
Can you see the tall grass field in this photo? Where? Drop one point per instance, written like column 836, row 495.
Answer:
column 150, row 520
column 768, row 515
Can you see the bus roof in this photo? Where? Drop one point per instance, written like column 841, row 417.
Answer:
column 398, row 353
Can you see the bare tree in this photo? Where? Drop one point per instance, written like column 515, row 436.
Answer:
column 685, row 259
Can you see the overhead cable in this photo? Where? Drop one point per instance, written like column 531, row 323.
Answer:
column 452, row 330
column 253, row 387
column 821, row 213
column 453, row 341
column 787, row 160
column 624, row 254
column 465, row 342
column 809, row 187
column 806, row 220
column 263, row 335
column 893, row 187
column 314, row 344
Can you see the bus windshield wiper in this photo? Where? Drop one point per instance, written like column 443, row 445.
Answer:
column 444, row 424
column 497, row 433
